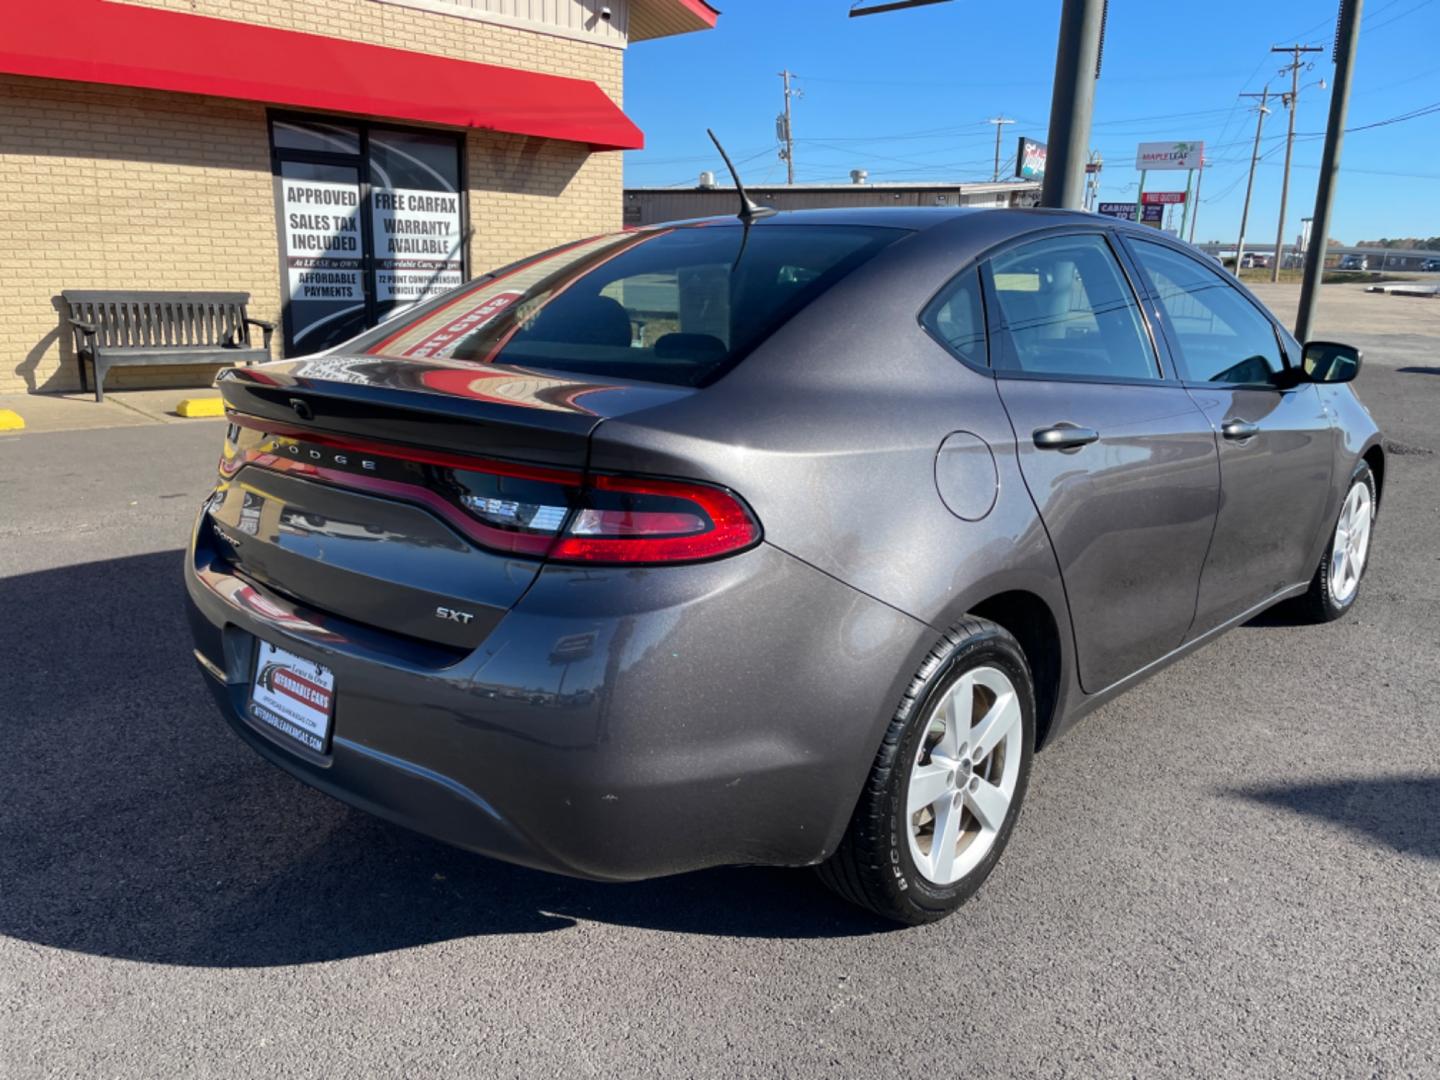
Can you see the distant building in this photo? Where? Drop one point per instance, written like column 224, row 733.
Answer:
column 648, row 205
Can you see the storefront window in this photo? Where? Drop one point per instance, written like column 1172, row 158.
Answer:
column 415, row 217
column 372, row 221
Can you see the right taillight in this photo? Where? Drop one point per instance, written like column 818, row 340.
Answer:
column 631, row 520
column 603, row 519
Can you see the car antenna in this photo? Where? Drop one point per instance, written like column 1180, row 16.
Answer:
column 749, row 209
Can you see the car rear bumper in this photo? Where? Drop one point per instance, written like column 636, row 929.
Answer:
column 616, row 724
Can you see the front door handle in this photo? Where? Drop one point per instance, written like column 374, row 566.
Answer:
column 1064, row 436
column 1239, row 429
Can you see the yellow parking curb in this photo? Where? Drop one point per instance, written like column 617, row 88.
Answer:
column 203, row 406
column 10, row 420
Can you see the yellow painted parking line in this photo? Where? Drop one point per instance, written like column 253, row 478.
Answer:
column 205, row 406
column 10, row 420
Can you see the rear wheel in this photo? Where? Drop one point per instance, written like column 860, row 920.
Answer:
column 947, row 783
column 1337, row 579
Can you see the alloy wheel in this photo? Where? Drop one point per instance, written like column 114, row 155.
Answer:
column 1351, row 544
column 964, row 775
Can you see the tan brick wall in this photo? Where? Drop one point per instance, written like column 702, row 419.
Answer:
column 530, row 194
column 103, row 187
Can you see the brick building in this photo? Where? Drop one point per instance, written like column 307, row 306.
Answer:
column 337, row 159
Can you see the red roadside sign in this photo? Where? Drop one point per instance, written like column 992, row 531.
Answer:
column 1162, row 198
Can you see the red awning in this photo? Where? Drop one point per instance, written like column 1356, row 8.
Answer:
column 116, row 44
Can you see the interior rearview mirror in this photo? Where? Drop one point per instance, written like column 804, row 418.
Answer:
column 1330, row 362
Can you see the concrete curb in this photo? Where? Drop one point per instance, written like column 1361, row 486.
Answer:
column 200, row 407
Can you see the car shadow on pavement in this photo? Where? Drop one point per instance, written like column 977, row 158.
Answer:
column 1397, row 812
column 1286, row 613
column 1419, row 370
column 134, row 824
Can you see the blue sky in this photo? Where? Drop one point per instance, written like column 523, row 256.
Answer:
column 906, row 94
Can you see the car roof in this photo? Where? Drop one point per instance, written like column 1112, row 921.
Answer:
column 914, row 218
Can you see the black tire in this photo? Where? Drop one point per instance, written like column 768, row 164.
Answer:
column 873, row 866
column 1319, row 605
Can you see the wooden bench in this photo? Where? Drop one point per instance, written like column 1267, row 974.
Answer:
column 123, row 327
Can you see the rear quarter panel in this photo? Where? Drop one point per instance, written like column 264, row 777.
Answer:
column 831, row 430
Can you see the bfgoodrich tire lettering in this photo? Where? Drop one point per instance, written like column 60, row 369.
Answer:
column 883, row 862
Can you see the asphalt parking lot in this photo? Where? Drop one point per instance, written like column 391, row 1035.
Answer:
column 1233, row 870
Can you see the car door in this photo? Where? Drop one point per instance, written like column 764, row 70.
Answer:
column 1119, row 460
column 1274, row 435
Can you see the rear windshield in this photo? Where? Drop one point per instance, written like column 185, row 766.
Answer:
column 678, row 305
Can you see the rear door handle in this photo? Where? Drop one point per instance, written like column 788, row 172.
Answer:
column 1239, row 429
column 1064, row 436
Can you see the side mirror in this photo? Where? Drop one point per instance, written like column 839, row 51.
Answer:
column 1330, row 362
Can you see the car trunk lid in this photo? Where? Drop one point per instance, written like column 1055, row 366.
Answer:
column 415, row 497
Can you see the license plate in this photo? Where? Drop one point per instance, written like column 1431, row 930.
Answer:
column 293, row 696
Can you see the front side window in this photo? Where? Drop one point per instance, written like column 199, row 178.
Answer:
column 671, row 305
column 1067, row 310
column 1220, row 336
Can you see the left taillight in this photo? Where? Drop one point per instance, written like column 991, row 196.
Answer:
column 604, row 518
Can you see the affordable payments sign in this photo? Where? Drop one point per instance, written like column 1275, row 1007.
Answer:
column 1169, row 155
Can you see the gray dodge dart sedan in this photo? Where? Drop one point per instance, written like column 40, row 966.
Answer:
column 784, row 541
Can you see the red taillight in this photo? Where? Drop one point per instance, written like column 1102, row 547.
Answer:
column 624, row 519
column 515, row 508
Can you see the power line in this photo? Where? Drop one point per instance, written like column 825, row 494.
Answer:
column 1413, row 114
column 931, row 133
column 1403, row 14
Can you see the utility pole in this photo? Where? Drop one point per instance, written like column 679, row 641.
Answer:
column 1195, row 211
column 999, row 122
column 1347, row 40
column 1260, row 113
column 785, row 132
column 1291, row 100
column 1072, row 101
column 1092, row 178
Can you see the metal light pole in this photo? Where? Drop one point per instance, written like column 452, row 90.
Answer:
column 1072, row 102
column 1347, row 40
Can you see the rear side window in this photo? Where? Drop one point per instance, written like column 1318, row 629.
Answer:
column 1221, row 337
column 678, row 305
column 957, row 317
column 1067, row 310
